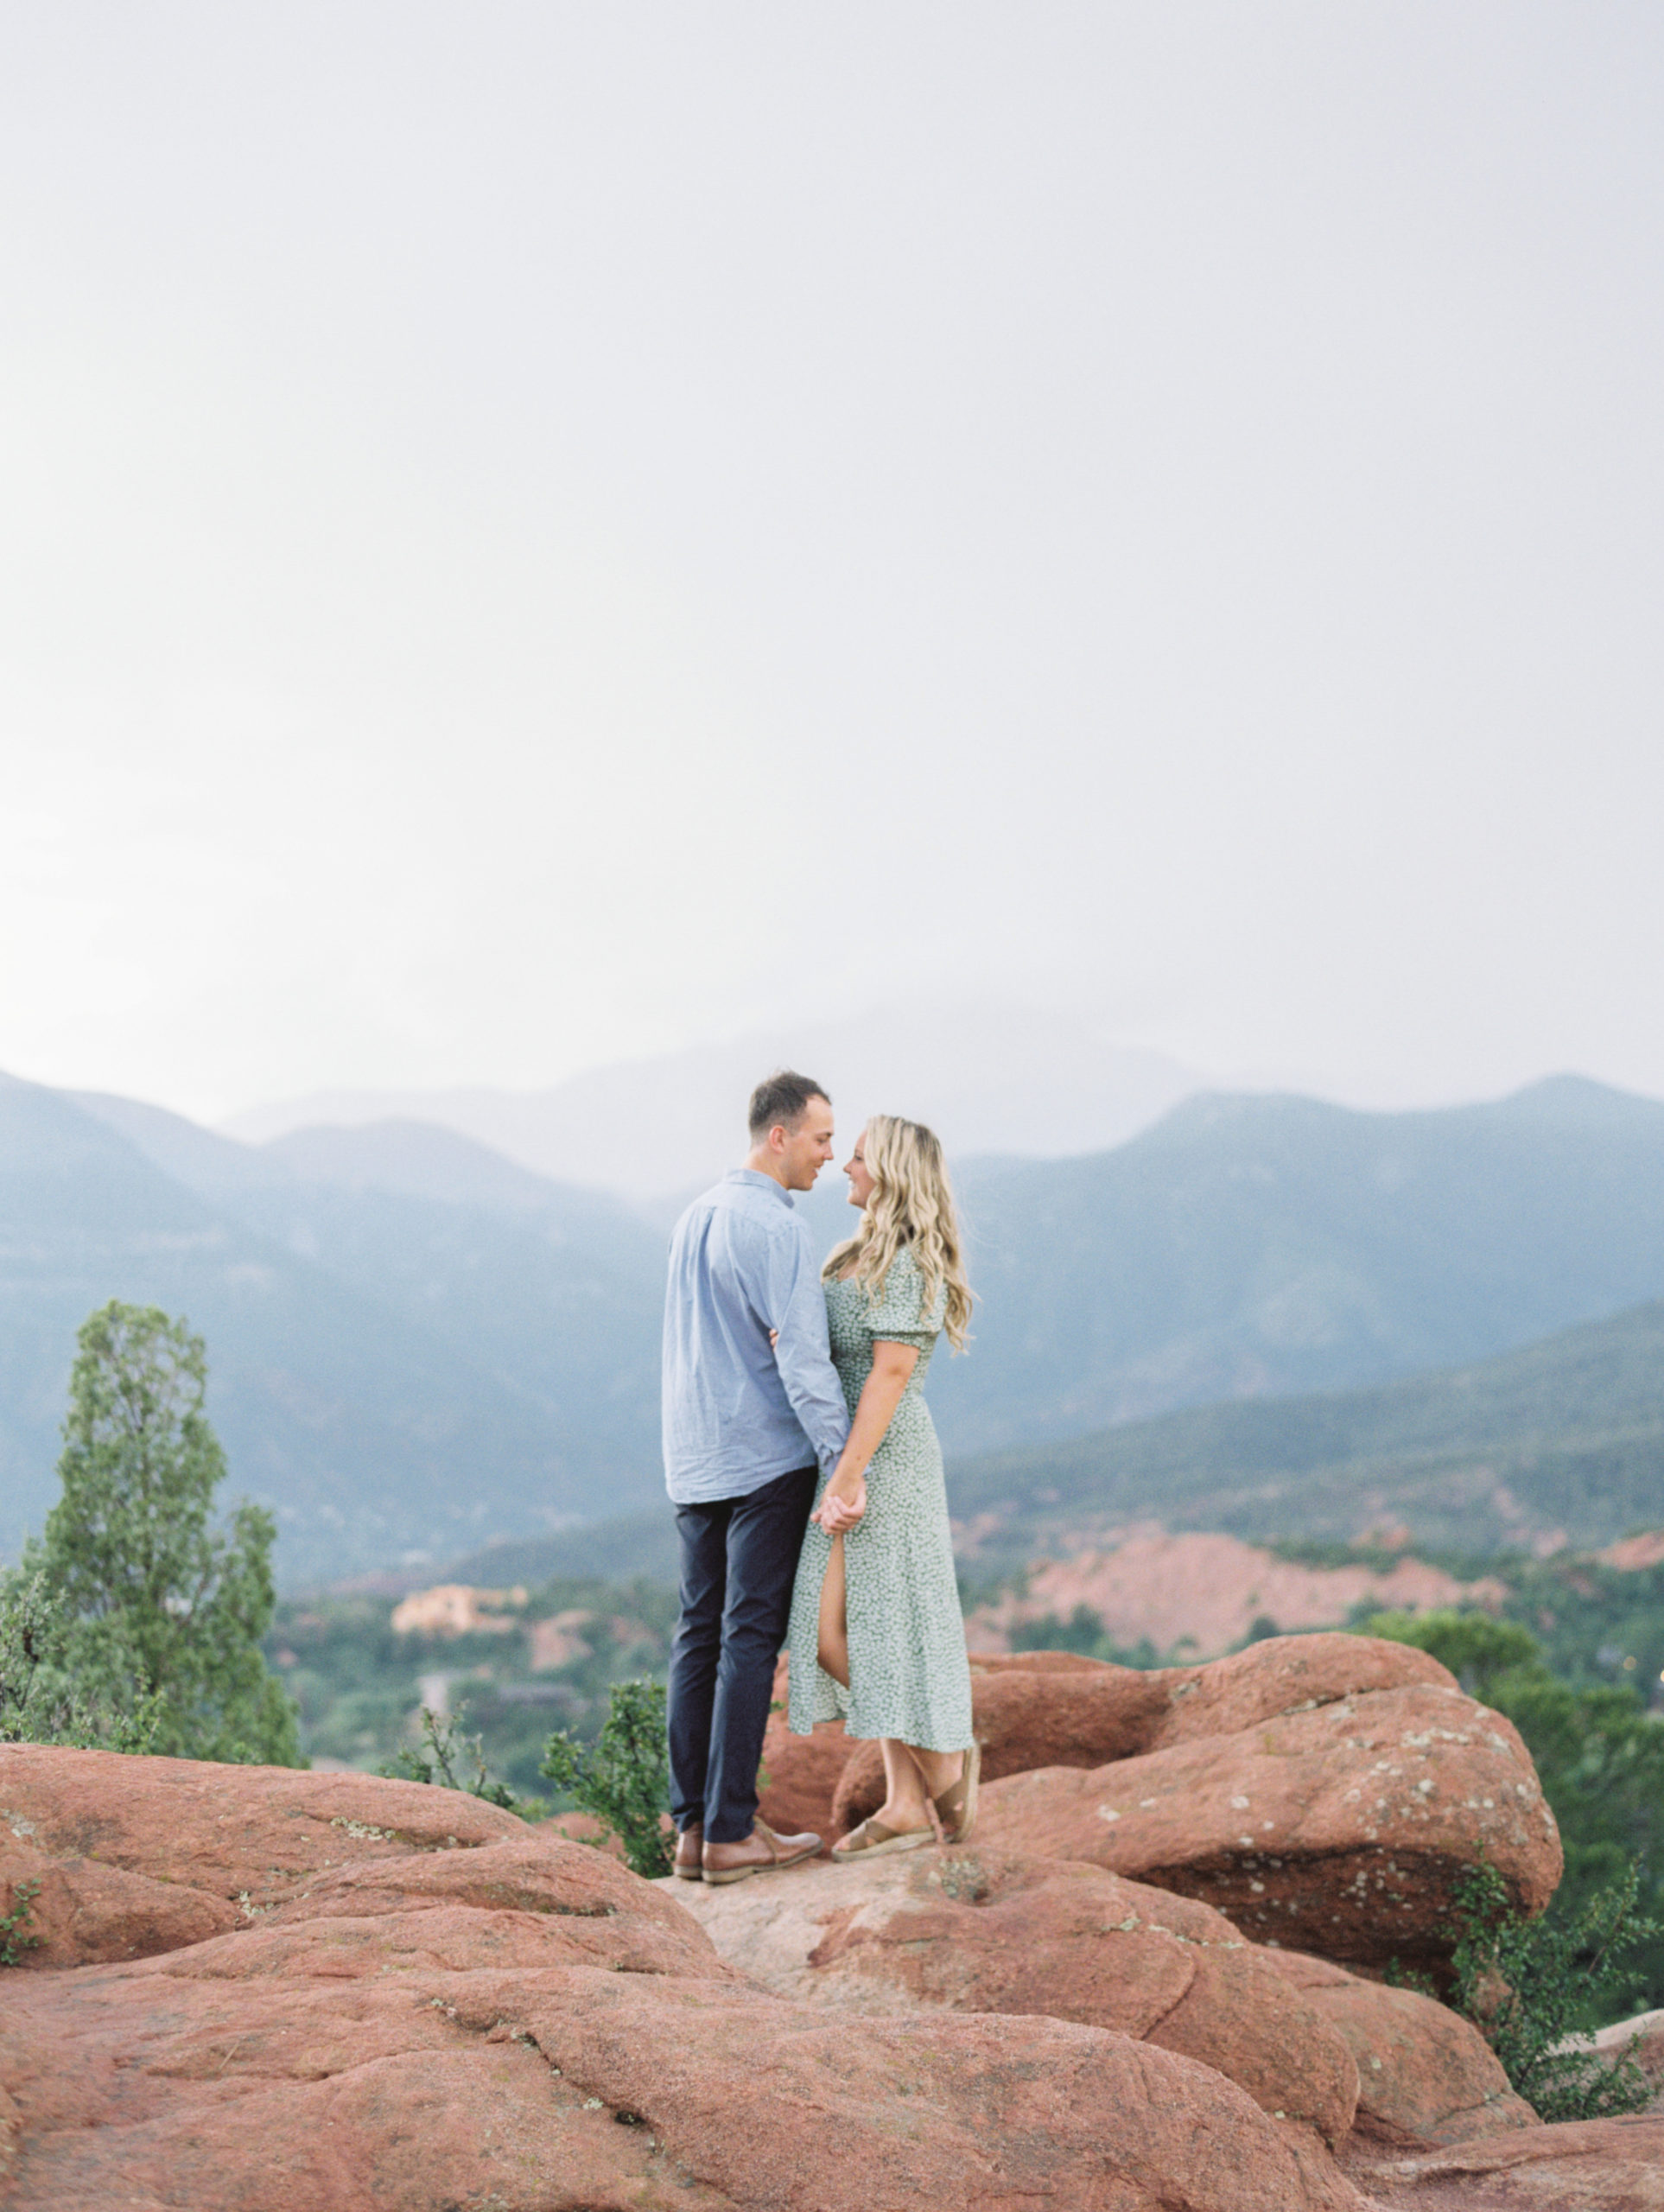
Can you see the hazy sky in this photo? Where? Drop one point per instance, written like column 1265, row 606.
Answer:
column 533, row 532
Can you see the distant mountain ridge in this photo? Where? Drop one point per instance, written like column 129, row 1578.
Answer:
column 390, row 1372
column 418, row 1345
column 1263, row 1246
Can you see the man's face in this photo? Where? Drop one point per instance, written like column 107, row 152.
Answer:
column 806, row 1149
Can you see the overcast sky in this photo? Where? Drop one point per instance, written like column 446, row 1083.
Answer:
column 533, row 533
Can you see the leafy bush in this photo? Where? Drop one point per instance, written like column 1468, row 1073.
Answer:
column 624, row 1777
column 1598, row 1753
column 1084, row 1632
column 435, row 1762
column 15, row 1936
column 1537, row 1989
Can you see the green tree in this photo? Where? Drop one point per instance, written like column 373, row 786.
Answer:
column 37, row 1704
column 155, row 1604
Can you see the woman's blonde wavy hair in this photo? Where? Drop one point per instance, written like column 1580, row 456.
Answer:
column 910, row 1209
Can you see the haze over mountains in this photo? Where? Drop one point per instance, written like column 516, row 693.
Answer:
column 987, row 1078
column 418, row 1345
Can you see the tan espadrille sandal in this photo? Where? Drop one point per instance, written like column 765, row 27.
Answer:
column 872, row 1840
column 956, row 1807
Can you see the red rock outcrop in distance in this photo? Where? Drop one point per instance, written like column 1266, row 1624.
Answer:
column 1206, row 1589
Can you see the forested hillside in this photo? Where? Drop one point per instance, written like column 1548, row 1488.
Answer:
column 1562, row 1440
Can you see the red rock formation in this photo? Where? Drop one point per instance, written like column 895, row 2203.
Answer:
column 1322, row 1791
column 1632, row 1553
column 1426, row 2077
column 1596, row 2165
column 1339, row 1830
column 1045, row 1708
column 1641, row 2039
column 801, row 1772
column 428, row 2005
column 972, row 1931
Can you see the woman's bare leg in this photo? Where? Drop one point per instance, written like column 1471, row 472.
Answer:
column 835, row 1622
column 939, row 1770
column 904, row 1804
column 911, row 1778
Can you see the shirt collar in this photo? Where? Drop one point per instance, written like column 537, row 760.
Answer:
column 755, row 1176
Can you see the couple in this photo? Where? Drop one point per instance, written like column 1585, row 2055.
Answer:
column 808, row 1486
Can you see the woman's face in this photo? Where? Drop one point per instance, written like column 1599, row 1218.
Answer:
column 861, row 1184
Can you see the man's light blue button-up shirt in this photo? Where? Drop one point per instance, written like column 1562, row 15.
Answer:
column 737, row 1410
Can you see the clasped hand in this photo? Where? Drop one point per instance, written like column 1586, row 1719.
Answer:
column 843, row 1507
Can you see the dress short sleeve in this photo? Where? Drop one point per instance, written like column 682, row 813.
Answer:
column 896, row 1315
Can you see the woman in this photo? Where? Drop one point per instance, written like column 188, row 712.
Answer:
column 876, row 1633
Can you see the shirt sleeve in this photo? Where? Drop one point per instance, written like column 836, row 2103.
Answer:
column 898, row 1315
column 794, row 1304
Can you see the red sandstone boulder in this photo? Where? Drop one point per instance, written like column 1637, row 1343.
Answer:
column 82, row 1911
column 389, row 2077
column 426, row 2004
column 138, row 1856
column 1595, row 2165
column 1036, row 1709
column 1337, row 1829
column 226, row 1830
column 1642, row 2040
column 971, row 1931
column 1426, row 2078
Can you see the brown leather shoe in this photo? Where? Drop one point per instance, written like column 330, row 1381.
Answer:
column 690, row 1853
column 760, row 1852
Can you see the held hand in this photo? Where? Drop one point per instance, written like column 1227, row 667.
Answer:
column 843, row 1505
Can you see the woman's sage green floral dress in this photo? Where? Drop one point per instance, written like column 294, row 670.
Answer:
column 908, row 1675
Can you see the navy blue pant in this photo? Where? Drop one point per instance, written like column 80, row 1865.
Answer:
column 738, row 1563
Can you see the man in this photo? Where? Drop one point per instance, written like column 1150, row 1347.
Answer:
column 748, row 1426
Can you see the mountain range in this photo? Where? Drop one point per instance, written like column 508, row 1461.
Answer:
column 1258, row 1246
column 418, row 1345
column 408, row 1362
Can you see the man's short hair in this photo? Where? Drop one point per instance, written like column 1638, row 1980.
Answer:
column 783, row 1099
